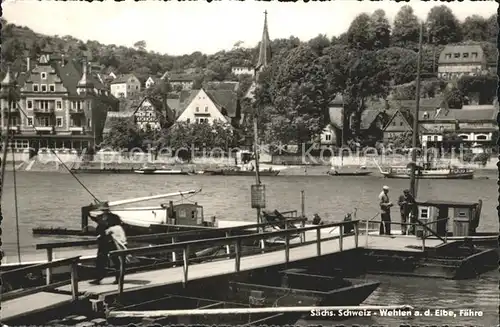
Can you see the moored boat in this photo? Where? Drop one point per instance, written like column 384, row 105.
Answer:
column 240, row 172
column 161, row 171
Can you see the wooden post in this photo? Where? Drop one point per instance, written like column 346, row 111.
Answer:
column 303, row 215
column 287, row 245
column 121, row 281
column 228, row 246
column 174, row 254
column 237, row 257
column 423, row 243
column 366, row 232
column 74, row 281
column 356, row 234
column 318, row 240
column 185, row 266
column 48, row 271
column 341, row 237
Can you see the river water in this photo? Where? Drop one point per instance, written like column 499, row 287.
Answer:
column 54, row 200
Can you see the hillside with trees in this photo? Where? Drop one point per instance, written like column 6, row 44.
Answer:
column 368, row 61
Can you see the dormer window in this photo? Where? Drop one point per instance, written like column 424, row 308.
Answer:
column 457, row 55
column 206, row 108
column 44, row 88
column 43, row 75
column 465, row 55
column 474, row 55
column 35, row 87
column 448, row 56
column 197, row 109
column 52, row 88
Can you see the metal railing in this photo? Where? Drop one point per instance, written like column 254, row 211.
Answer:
column 236, row 241
column 411, row 225
column 171, row 237
column 72, row 263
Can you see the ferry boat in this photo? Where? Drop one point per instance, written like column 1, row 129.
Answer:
column 429, row 172
column 344, row 171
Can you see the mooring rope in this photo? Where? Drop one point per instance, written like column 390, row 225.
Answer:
column 58, row 158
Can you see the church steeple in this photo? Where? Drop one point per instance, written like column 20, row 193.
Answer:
column 265, row 47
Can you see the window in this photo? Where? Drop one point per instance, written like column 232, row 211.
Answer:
column 474, row 55
column 137, row 87
column 52, row 88
column 429, row 138
column 58, row 105
column 481, row 137
column 30, row 104
column 35, row 87
column 89, row 123
column 206, row 108
column 435, row 138
column 188, row 120
column 400, row 123
column 197, row 109
column 43, row 75
column 59, row 122
column 448, row 56
column 456, row 55
column 44, row 88
column 43, row 122
column 30, row 121
column 393, row 123
column 328, row 137
column 465, row 55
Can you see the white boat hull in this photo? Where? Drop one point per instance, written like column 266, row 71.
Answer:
column 140, row 216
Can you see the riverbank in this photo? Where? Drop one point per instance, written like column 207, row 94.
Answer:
column 373, row 164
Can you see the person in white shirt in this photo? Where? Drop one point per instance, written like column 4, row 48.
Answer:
column 385, row 211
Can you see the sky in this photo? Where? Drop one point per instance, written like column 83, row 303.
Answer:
column 178, row 28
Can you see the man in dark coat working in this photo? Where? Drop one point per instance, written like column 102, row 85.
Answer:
column 105, row 242
column 406, row 204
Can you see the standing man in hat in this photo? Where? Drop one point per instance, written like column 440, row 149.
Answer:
column 105, row 243
column 385, row 211
column 406, row 204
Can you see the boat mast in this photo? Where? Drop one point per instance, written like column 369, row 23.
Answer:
column 413, row 189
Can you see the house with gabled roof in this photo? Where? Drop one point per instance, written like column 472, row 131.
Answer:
column 62, row 105
column 371, row 124
column 209, row 105
column 152, row 80
column 458, row 60
column 399, row 124
column 125, row 86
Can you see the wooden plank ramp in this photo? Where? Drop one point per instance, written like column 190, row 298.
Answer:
column 41, row 256
column 174, row 275
column 32, row 303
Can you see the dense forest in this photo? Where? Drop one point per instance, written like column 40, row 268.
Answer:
column 367, row 61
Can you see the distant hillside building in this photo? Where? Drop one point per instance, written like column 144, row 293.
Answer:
column 179, row 81
column 125, row 86
column 152, row 80
column 458, row 60
column 242, row 70
column 62, row 105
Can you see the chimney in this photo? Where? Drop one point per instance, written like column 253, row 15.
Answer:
column 28, row 64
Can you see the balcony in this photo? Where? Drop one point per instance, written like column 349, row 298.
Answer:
column 45, row 128
column 39, row 110
column 15, row 129
column 77, row 129
column 13, row 109
column 76, row 110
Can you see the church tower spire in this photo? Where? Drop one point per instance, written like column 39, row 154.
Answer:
column 85, row 85
column 264, row 48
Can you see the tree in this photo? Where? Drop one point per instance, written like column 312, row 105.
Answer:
column 454, row 97
column 475, row 28
column 319, row 43
column 299, row 96
column 406, row 29
column 360, row 34
column 492, row 29
column 381, row 29
column 368, row 76
column 442, row 25
column 140, row 45
column 485, row 86
column 402, row 64
column 123, row 134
